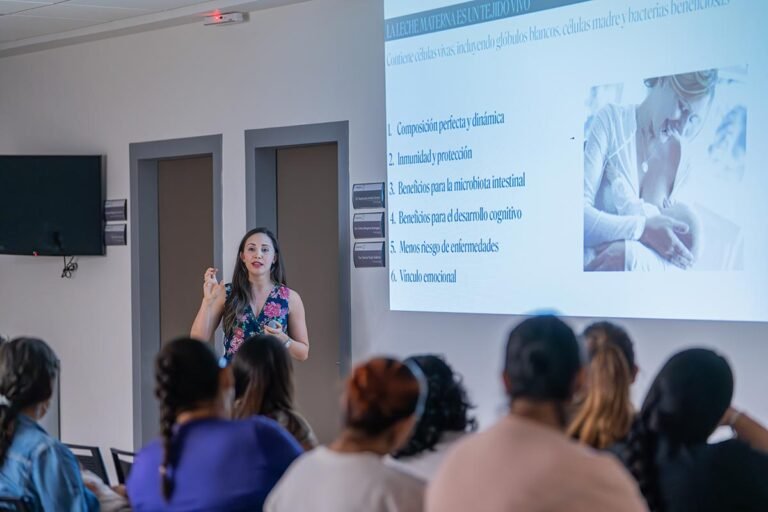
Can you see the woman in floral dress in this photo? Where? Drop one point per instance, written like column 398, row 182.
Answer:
column 257, row 301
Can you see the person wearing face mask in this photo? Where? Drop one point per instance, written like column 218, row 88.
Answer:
column 203, row 460
column 634, row 166
column 34, row 467
column 257, row 301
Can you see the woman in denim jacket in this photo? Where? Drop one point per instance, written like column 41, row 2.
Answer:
column 34, row 467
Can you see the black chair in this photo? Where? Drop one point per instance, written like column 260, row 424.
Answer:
column 89, row 458
column 123, row 461
column 13, row 504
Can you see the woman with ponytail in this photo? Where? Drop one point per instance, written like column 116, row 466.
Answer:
column 667, row 450
column 382, row 401
column 34, row 467
column 605, row 413
column 203, row 460
column 525, row 461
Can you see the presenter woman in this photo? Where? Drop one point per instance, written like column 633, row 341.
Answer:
column 257, row 301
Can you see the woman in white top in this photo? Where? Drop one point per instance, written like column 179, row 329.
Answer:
column 444, row 421
column 633, row 166
column 381, row 403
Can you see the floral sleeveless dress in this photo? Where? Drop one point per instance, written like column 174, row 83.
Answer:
column 250, row 323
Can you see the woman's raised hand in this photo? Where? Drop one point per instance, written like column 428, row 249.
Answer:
column 660, row 234
column 212, row 289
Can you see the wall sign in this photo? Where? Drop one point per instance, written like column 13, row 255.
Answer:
column 368, row 195
column 368, row 254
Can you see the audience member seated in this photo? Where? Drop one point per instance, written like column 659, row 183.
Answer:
column 526, row 462
column 381, row 402
column 264, row 385
column 444, row 421
column 35, row 467
column 204, row 461
column 605, row 412
column 667, row 449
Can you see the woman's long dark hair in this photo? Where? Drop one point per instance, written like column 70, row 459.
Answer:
column 187, row 375
column 683, row 407
column 28, row 368
column 446, row 408
column 606, row 413
column 264, row 381
column 241, row 287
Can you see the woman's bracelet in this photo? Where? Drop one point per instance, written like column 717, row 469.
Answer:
column 287, row 344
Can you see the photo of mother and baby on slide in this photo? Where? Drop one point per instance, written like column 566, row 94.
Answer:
column 662, row 159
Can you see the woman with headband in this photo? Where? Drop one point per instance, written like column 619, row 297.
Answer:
column 633, row 169
column 381, row 405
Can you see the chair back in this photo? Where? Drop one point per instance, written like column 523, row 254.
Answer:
column 123, row 461
column 90, row 458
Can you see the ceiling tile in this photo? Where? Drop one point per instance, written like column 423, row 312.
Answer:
column 152, row 5
column 86, row 12
column 19, row 26
column 8, row 7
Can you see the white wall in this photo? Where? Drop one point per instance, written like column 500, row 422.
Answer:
column 307, row 63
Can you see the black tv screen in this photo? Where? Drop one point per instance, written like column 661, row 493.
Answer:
column 51, row 205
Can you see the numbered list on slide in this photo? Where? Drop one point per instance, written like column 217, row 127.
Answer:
column 449, row 205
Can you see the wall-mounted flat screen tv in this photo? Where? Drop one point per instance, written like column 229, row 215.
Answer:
column 52, row 205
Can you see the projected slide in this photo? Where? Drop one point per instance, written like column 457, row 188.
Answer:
column 593, row 158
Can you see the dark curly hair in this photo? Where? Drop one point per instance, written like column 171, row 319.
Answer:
column 446, row 408
column 28, row 368
column 186, row 375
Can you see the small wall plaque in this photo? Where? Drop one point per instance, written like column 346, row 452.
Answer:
column 368, row 195
column 368, row 225
column 116, row 209
column 115, row 234
column 368, row 254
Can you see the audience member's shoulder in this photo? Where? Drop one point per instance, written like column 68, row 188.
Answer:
column 270, row 433
column 403, row 484
column 149, row 449
column 262, row 424
column 734, row 454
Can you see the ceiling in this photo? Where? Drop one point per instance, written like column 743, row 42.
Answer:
column 28, row 25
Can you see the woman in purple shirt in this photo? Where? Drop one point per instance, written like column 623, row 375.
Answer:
column 203, row 460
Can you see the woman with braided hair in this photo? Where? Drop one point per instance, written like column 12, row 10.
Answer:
column 382, row 400
column 35, row 467
column 667, row 451
column 203, row 460
column 445, row 419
